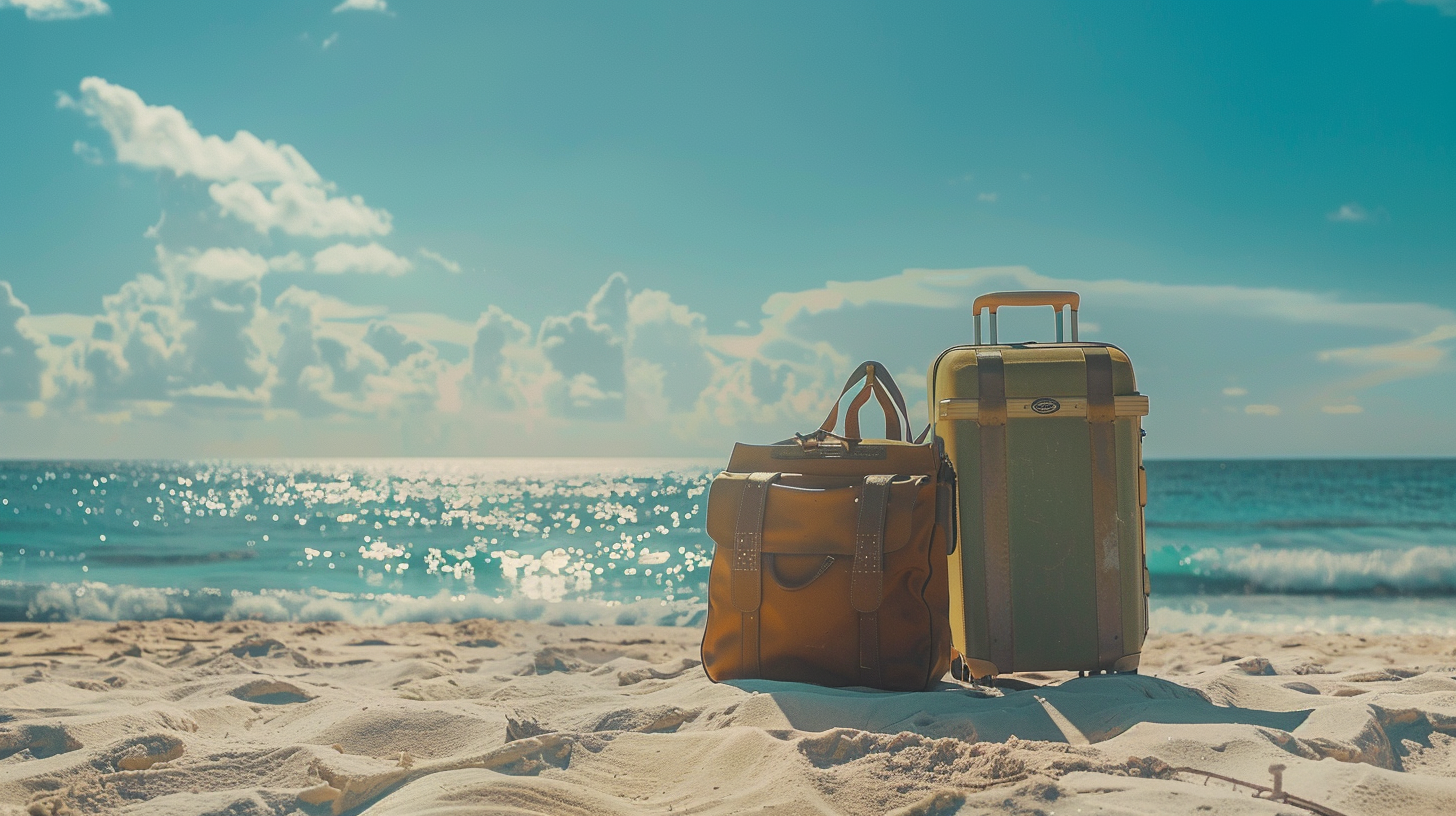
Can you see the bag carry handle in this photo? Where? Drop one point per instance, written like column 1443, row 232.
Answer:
column 878, row 382
column 1056, row 300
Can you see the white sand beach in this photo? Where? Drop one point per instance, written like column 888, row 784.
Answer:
column 181, row 717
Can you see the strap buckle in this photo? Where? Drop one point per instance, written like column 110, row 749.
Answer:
column 825, row 439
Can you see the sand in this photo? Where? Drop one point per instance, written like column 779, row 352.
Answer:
column 180, row 717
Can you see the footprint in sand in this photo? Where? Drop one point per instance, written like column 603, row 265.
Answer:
column 255, row 646
column 41, row 740
column 520, row 727
column 1379, row 676
column 839, row 745
column 550, row 660
column 1257, row 666
column 649, row 720
column 665, row 671
column 142, row 753
column 271, row 692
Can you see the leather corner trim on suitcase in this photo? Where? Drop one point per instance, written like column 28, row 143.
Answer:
column 1101, row 415
column 995, row 508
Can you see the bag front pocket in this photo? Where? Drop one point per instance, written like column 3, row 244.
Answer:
column 802, row 519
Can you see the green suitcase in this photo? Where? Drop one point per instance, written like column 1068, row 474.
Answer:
column 1046, row 439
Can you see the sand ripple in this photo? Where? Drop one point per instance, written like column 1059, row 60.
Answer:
column 180, row 717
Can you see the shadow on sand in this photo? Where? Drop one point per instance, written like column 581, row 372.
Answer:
column 1079, row 711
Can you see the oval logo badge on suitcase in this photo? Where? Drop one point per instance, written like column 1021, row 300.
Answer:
column 1045, row 405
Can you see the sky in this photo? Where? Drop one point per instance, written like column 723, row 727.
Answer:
column 382, row 227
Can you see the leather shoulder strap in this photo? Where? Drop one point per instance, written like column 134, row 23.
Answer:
column 747, row 575
column 867, row 579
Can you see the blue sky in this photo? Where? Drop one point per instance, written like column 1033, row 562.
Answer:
column 429, row 228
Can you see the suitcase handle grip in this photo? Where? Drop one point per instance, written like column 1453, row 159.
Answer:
column 1056, row 300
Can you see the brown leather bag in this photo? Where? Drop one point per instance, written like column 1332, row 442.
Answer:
column 831, row 557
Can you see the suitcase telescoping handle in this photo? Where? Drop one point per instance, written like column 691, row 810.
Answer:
column 1056, row 300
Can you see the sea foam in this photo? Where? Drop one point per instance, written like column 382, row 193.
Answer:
column 1417, row 570
column 97, row 601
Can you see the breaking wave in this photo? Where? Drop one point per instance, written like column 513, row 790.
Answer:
column 1283, row 614
column 1268, row 614
column 1419, row 570
column 98, row 601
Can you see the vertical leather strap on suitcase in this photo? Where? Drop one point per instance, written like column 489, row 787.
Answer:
column 867, row 578
column 1106, row 546
column 747, row 583
column 995, row 509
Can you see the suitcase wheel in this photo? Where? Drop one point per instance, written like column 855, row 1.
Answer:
column 958, row 669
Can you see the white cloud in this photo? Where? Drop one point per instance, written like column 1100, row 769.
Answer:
column 434, row 327
column 155, row 230
column 496, row 331
column 955, row 289
column 59, row 325
column 198, row 340
column 160, row 137
column 634, row 370
column 328, row 308
column 329, row 41
column 362, row 5
column 21, row 367
column 1423, row 352
column 318, row 369
column 217, row 263
column 299, row 209
column 392, row 344
column 221, row 346
column 58, row 9
column 87, row 152
column 192, row 337
column 445, row 263
column 221, row 263
column 370, row 258
column 588, row 349
column 1179, row 333
column 292, row 262
column 1447, row 8
column 1350, row 213
column 668, row 362
column 989, row 198
column 136, row 343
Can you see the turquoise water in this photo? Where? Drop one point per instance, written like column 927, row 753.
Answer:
column 1365, row 546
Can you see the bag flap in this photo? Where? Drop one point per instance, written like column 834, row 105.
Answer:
column 817, row 515
column 878, row 456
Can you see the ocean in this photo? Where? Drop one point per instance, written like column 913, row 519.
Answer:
column 1364, row 546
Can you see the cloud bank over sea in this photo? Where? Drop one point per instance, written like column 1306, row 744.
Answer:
column 192, row 358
